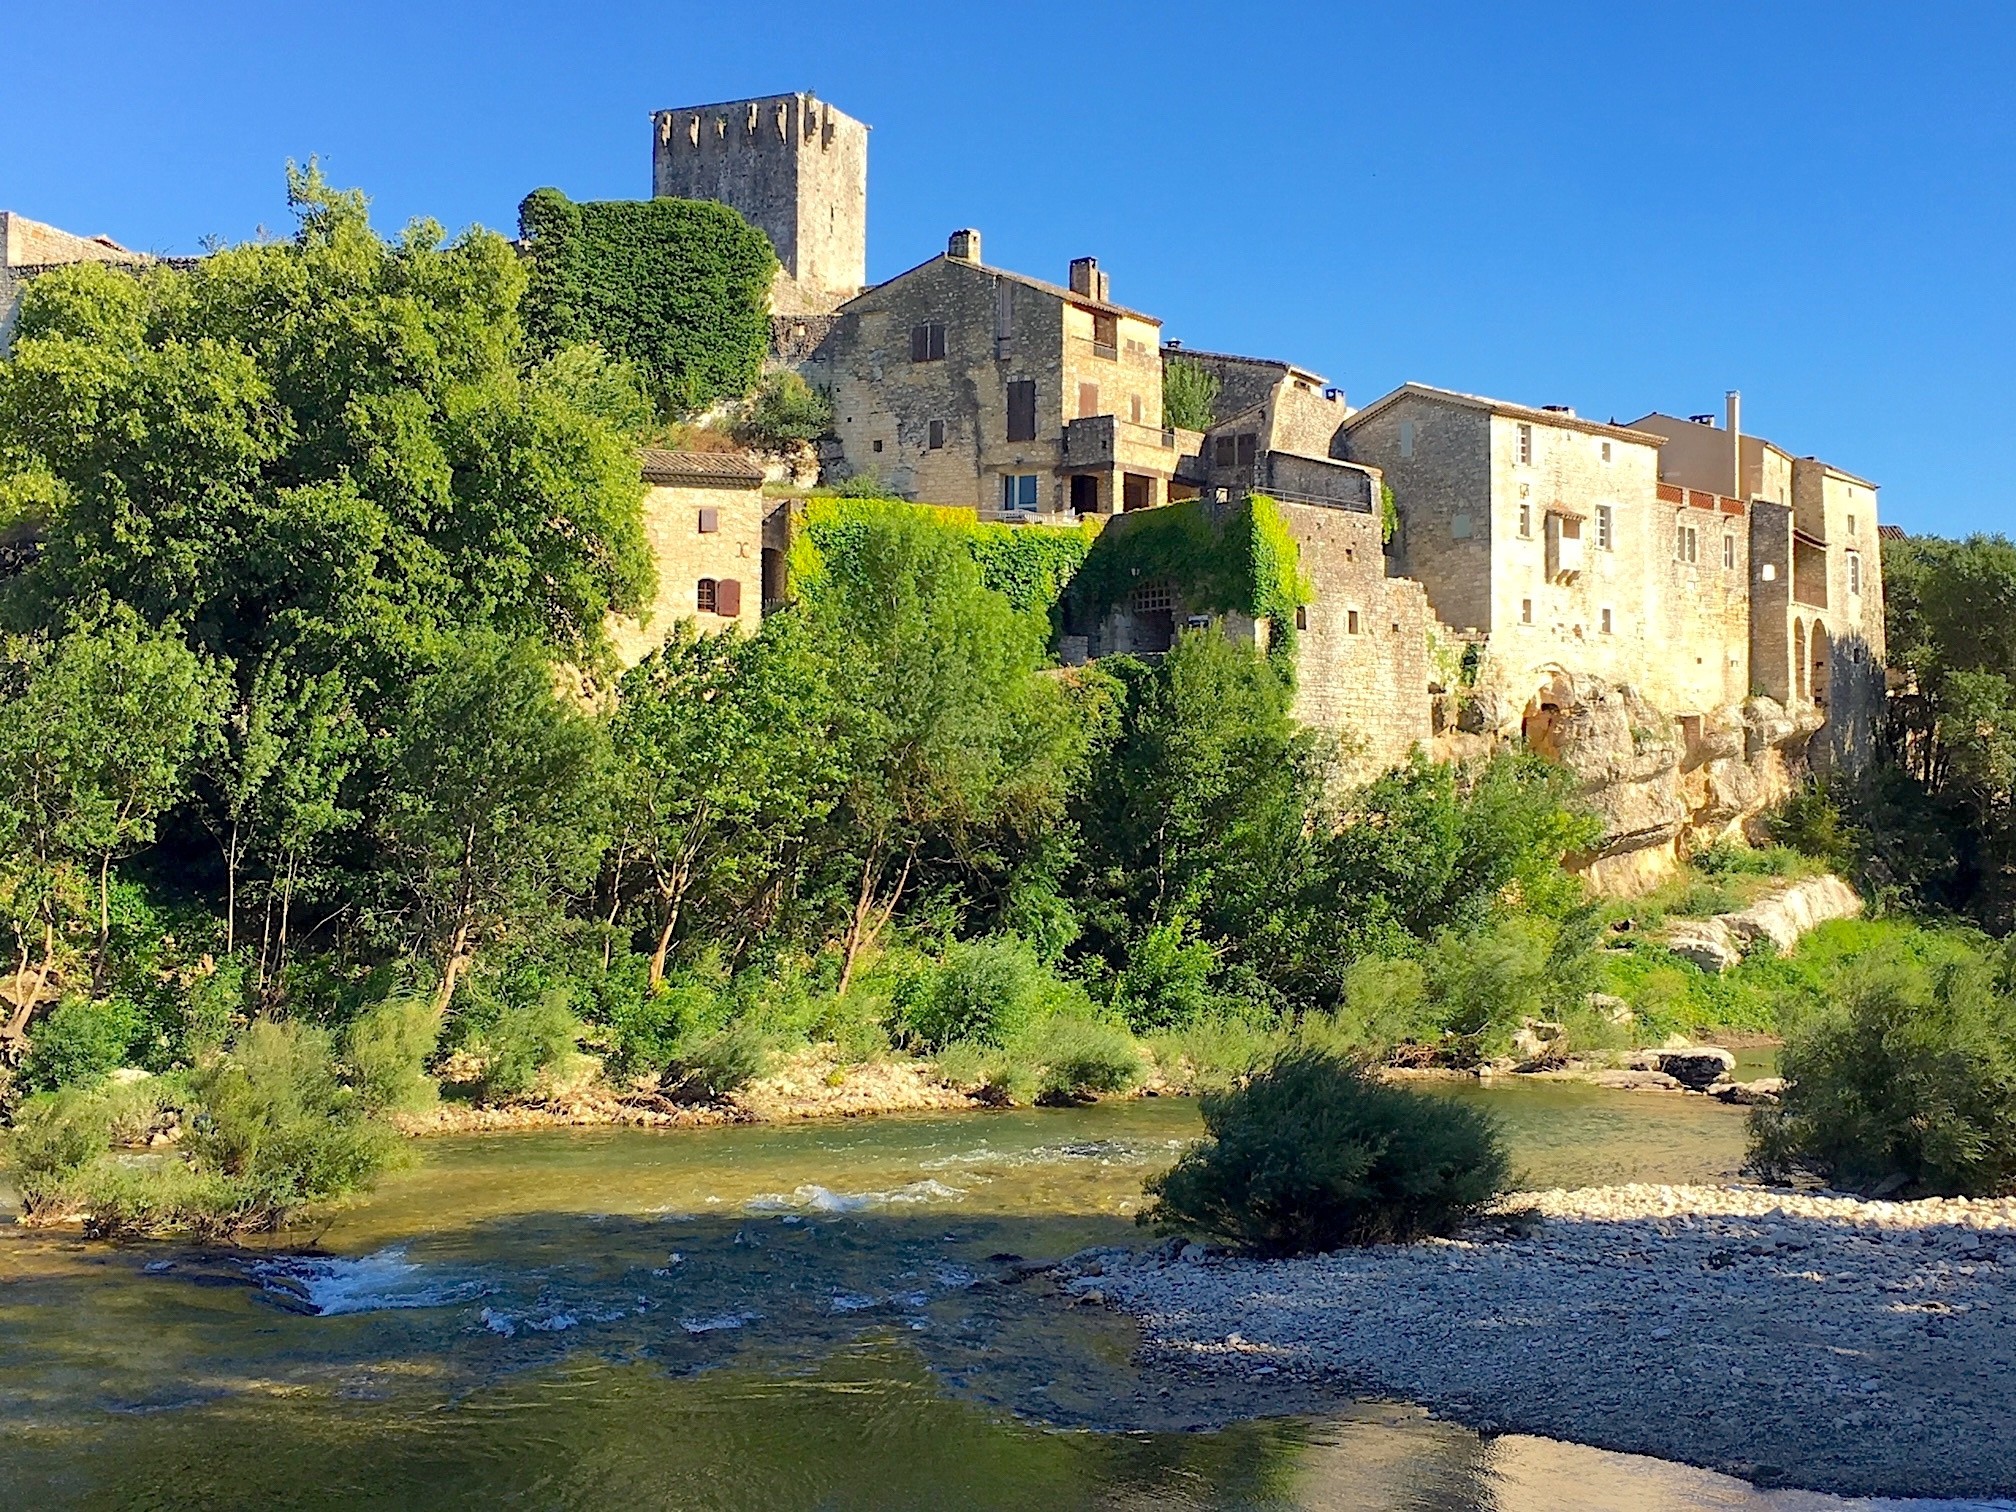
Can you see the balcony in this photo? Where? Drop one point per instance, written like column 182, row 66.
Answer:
column 1098, row 441
column 1699, row 498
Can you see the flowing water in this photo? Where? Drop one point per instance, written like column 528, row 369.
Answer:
column 801, row 1316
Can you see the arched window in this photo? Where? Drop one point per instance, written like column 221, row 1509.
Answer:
column 706, row 595
column 1799, row 667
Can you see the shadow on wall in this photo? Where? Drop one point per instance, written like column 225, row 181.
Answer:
column 1846, row 679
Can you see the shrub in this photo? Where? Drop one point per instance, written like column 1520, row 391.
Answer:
column 56, row 1135
column 1316, row 1152
column 529, row 1042
column 1386, row 1005
column 718, row 1065
column 387, row 1047
column 784, row 410
column 1485, row 983
column 1189, row 392
column 1906, row 1083
column 1166, row 982
column 1079, row 1058
column 78, row 1041
column 984, row 990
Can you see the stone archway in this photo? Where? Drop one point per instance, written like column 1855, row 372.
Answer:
column 1800, row 669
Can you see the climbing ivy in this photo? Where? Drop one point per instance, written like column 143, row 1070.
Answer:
column 1224, row 558
column 1029, row 565
column 681, row 288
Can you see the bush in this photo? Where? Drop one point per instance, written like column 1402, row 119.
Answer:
column 1905, row 1084
column 78, row 1041
column 1486, row 983
column 784, row 410
column 1079, row 1059
column 1166, row 982
column 527, row 1043
column 987, row 991
column 1386, row 1005
column 387, row 1047
column 1316, row 1153
column 718, row 1065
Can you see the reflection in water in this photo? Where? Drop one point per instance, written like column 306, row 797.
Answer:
column 816, row 1316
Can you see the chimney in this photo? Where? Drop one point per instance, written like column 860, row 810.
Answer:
column 1732, row 410
column 1086, row 279
column 963, row 245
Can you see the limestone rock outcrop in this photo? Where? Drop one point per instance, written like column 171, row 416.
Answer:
column 1718, row 943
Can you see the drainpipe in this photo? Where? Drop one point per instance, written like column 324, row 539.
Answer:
column 1732, row 408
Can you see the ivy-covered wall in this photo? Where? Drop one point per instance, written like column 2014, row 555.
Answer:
column 681, row 288
column 1222, row 558
column 1029, row 565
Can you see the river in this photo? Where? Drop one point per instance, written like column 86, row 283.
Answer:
column 787, row 1316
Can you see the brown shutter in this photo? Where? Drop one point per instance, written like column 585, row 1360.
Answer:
column 728, row 598
column 1022, row 410
column 1248, row 448
column 937, row 341
column 1088, row 400
column 710, row 521
column 920, row 343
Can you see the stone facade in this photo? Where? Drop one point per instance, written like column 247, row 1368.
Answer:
column 795, row 168
column 29, row 247
column 704, row 517
column 962, row 384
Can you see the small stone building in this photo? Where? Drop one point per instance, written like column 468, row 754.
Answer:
column 704, row 518
column 958, row 383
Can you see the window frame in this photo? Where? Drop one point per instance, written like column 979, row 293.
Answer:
column 1524, row 442
column 707, row 594
column 927, row 341
column 1606, row 527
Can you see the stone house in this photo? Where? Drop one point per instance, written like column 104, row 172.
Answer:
column 959, row 383
column 29, row 247
column 1815, row 591
column 705, row 522
column 1540, row 537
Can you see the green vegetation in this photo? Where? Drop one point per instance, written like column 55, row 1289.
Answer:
column 1238, row 558
column 1189, row 394
column 1904, row 1082
column 785, row 410
column 679, row 288
column 1316, row 1152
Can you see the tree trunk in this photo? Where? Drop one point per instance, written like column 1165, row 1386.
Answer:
column 664, row 943
column 231, row 891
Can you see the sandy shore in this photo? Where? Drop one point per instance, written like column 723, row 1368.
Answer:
column 1815, row 1341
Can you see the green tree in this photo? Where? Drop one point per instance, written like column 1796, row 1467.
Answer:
column 101, row 727
column 956, row 744
column 727, row 754
column 1189, row 394
column 500, row 798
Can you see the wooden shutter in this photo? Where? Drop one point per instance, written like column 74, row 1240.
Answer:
column 728, row 598
column 1248, row 448
column 1088, row 400
column 936, row 342
column 1022, row 410
column 920, row 343
column 710, row 521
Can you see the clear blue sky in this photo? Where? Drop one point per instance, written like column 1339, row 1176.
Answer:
column 1619, row 206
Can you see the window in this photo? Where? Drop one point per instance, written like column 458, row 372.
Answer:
column 934, row 436
column 1854, row 572
column 1155, row 598
column 1525, row 611
column 707, row 595
column 1461, row 526
column 927, row 342
column 710, row 521
column 1687, row 544
column 1350, row 621
column 1018, row 490
column 1022, row 410
column 1525, row 444
column 1406, row 438
column 1606, row 528
column 1851, row 524
column 878, row 443
column 1105, row 335
column 1088, row 400
column 1606, row 621
column 1134, row 408
column 1728, row 553
column 1222, row 451
column 1606, row 451
column 1301, row 616
column 1525, row 522
column 1249, row 449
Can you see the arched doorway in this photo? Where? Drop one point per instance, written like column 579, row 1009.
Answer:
column 1819, row 677
column 1799, row 667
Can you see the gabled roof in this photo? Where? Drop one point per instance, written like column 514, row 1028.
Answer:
column 1057, row 291
column 1532, row 413
column 699, row 469
column 1891, row 533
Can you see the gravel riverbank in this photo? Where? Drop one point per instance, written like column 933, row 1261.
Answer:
column 1806, row 1340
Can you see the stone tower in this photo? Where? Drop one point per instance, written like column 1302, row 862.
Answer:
column 796, row 168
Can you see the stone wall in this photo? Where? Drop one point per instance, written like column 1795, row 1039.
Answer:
column 795, row 168
column 29, row 247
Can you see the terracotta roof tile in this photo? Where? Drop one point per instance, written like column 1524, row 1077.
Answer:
column 700, row 469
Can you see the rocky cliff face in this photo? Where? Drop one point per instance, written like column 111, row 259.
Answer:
column 1664, row 786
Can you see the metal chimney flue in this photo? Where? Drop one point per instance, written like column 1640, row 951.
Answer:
column 1732, row 410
